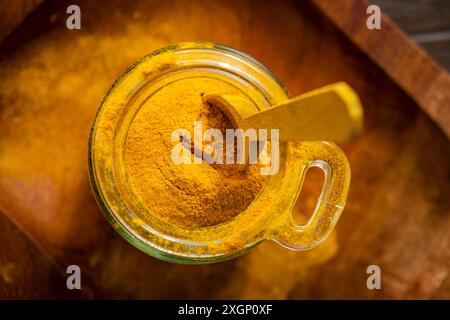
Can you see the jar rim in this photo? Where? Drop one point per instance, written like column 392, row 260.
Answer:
column 166, row 253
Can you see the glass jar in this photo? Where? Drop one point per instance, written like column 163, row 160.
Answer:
column 269, row 216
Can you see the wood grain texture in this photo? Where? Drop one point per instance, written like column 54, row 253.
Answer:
column 427, row 22
column 417, row 16
column 12, row 14
column 402, row 60
column 439, row 50
column 25, row 269
column 398, row 210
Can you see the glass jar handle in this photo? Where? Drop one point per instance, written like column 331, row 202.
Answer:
column 332, row 160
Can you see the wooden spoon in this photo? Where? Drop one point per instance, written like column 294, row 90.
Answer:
column 333, row 113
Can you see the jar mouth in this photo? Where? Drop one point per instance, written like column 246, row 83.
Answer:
column 109, row 131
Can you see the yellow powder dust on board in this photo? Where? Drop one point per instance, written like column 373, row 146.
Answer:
column 191, row 195
column 51, row 90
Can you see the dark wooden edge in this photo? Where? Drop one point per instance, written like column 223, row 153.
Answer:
column 12, row 13
column 406, row 63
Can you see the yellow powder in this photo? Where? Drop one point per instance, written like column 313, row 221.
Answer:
column 191, row 195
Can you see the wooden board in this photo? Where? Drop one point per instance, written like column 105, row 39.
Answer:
column 402, row 60
column 417, row 16
column 398, row 210
column 425, row 22
column 12, row 14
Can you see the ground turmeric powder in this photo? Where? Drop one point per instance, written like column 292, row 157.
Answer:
column 189, row 195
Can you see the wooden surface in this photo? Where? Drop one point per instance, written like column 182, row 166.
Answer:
column 398, row 211
column 402, row 60
column 417, row 16
column 12, row 14
column 427, row 22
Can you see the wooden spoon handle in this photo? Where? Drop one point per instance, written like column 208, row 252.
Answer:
column 333, row 112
